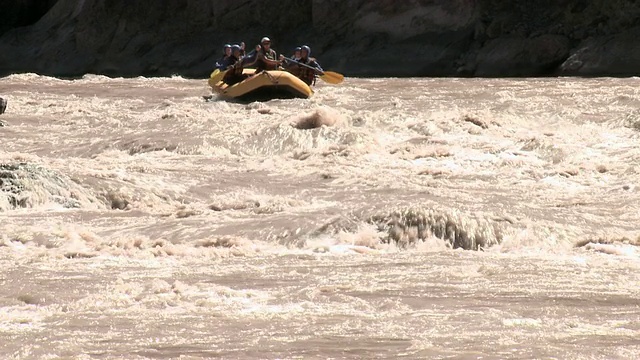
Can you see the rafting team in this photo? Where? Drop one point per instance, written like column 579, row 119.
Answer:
column 264, row 58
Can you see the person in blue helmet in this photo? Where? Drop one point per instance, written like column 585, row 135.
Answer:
column 289, row 63
column 307, row 73
column 297, row 54
column 226, row 52
column 234, row 65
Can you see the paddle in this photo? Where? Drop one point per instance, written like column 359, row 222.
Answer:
column 216, row 76
column 328, row 76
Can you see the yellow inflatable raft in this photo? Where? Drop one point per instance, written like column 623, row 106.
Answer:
column 266, row 85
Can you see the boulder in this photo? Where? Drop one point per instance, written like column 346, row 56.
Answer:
column 27, row 185
column 615, row 55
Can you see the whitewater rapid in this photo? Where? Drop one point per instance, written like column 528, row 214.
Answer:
column 382, row 218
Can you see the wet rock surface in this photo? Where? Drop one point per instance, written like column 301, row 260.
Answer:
column 356, row 37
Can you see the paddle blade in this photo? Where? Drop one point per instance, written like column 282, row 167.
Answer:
column 216, row 76
column 332, row 77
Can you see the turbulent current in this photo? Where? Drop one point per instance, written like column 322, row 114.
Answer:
column 382, row 218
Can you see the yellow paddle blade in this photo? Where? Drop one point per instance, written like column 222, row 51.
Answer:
column 332, row 77
column 216, row 76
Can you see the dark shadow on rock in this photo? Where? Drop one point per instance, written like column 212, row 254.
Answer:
column 3, row 105
column 356, row 37
column 515, row 56
column 23, row 13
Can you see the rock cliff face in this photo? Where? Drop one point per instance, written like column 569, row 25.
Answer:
column 356, row 37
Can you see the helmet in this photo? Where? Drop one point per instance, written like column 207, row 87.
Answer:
column 265, row 40
column 307, row 49
column 298, row 48
column 235, row 47
column 227, row 46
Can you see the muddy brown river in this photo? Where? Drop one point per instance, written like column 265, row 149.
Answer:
column 380, row 219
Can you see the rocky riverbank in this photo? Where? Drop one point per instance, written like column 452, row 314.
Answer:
column 356, row 37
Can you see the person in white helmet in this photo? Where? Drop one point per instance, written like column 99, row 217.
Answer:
column 266, row 57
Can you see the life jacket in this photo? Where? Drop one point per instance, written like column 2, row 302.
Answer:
column 234, row 75
column 221, row 64
column 289, row 65
column 237, row 66
column 229, row 61
column 304, row 73
column 270, row 55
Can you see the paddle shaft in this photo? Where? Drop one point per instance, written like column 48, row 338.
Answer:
column 305, row 65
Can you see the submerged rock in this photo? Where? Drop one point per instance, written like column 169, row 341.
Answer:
column 323, row 116
column 25, row 185
column 408, row 226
